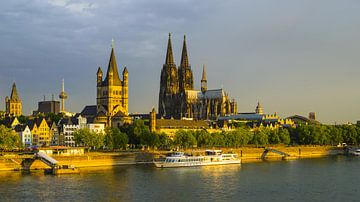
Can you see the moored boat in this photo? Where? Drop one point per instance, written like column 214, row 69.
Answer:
column 355, row 152
column 212, row 157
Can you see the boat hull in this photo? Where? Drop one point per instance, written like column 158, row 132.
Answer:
column 194, row 164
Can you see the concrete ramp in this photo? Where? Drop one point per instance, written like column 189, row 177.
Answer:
column 46, row 159
column 267, row 150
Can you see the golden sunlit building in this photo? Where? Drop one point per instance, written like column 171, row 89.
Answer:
column 13, row 104
column 112, row 95
column 41, row 133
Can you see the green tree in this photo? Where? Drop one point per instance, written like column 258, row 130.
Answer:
column 135, row 131
column 260, row 137
column 115, row 139
column 89, row 138
column 9, row 139
column 184, row 139
column 164, row 141
column 149, row 139
column 23, row 119
column 284, row 136
column 274, row 137
column 336, row 135
column 54, row 117
column 204, row 139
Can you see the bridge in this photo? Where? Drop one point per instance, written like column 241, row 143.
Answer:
column 26, row 161
column 267, row 150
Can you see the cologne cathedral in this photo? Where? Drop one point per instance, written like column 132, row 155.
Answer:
column 179, row 100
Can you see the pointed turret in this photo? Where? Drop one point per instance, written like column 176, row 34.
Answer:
column 14, row 94
column 125, row 71
column 169, row 54
column 99, row 76
column 184, row 55
column 112, row 75
column 203, row 80
column 259, row 109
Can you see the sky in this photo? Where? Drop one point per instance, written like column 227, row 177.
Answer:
column 295, row 57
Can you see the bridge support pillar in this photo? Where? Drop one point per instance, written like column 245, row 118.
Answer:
column 26, row 164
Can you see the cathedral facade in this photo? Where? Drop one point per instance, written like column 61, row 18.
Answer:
column 177, row 97
column 112, row 95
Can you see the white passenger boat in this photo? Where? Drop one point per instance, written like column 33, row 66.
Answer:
column 355, row 152
column 212, row 157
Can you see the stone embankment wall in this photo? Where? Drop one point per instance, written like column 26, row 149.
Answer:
column 251, row 154
column 87, row 160
column 247, row 154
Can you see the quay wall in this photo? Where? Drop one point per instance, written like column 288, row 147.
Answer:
column 247, row 154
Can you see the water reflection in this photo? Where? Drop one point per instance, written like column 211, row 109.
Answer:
column 326, row 179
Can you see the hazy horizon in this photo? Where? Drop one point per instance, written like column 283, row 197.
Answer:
column 295, row 57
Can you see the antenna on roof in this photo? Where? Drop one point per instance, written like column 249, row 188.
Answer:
column 44, row 98
column 112, row 43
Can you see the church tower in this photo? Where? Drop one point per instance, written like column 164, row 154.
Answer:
column 203, row 80
column 13, row 104
column 259, row 109
column 186, row 81
column 112, row 92
column 169, row 86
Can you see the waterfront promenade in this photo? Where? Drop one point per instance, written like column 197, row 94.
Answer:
column 10, row 162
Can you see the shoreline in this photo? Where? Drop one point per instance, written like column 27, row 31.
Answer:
column 101, row 159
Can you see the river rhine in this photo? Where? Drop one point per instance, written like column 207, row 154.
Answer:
column 323, row 179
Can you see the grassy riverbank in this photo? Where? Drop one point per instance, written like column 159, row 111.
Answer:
column 92, row 159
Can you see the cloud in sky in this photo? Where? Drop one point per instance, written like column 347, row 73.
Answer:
column 293, row 56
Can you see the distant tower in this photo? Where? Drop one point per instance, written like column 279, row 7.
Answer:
column 203, row 80
column 312, row 115
column 259, row 109
column 169, row 86
column 63, row 96
column 153, row 120
column 186, row 81
column 112, row 93
column 125, row 90
column 13, row 104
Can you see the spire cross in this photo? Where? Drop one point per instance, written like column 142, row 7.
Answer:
column 112, row 43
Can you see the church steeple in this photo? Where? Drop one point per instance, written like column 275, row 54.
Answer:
column 169, row 54
column 203, row 80
column 112, row 75
column 184, row 55
column 13, row 104
column 14, row 94
column 259, row 109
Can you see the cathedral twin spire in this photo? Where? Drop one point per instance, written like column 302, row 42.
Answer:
column 184, row 55
column 169, row 54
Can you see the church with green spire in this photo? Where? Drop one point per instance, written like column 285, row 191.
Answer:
column 179, row 100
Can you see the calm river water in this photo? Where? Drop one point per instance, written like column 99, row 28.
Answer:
column 325, row 179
